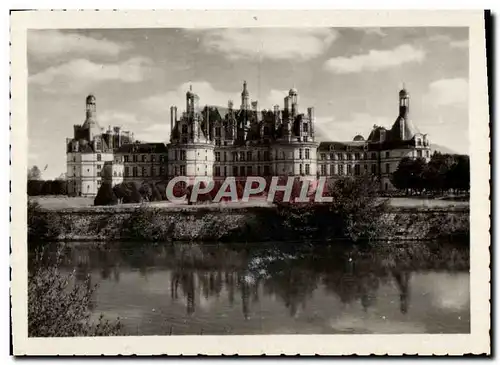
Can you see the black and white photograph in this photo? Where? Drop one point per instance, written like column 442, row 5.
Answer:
column 289, row 177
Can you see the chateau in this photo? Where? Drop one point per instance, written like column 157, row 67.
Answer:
column 217, row 142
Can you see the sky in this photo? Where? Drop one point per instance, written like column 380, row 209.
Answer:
column 351, row 76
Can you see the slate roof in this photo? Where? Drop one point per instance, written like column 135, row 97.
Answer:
column 143, row 148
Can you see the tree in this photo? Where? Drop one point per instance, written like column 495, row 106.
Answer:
column 56, row 307
column 105, row 195
column 409, row 174
column 34, row 173
column 128, row 192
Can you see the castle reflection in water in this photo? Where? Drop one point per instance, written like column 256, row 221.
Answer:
column 195, row 274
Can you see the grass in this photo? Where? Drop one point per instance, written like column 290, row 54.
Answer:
column 80, row 203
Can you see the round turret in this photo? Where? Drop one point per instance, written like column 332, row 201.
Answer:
column 293, row 91
column 358, row 138
column 90, row 99
column 403, row 93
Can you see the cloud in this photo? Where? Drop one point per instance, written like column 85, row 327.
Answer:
column 333, row 129
column 53, row 43
column 299, row 44
column 374, row 31
column 81, row 73
column 460, row 44
column 156, row 132
column 161, row 103
column 113, row 117
column 453, row 91
column 375, row 60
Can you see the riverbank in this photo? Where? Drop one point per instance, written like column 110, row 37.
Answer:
column 245, row 224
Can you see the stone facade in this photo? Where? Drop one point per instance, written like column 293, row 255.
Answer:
column 217, row 142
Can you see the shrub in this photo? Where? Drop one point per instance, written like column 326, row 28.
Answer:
column 128, row 192
column 42, row 225
column 147, row 224
column 59, row 305
column 105, row 195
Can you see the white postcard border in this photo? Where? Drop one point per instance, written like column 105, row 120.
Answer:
column 478, row 341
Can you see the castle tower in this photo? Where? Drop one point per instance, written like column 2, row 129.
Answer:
column 404, row 103
column 404, row 110
column 293, row 97
column 90, row 108
column 245, row 97
column 90, row 125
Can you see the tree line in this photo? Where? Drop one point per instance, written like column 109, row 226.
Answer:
column 443, row 173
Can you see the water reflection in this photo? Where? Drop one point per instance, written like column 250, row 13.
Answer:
column 196, row 288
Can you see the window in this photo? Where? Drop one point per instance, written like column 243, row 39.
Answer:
column 242, row 156
column 300, row 154
column 266, row 130
column 387, row 168
column 305, row 139
column 357, row 156
column 175, row 155
column 427, row 153
column 366, row 168
column 98, row 157
column 98, row 182
column 258, row 170
column 184, row 140
column 258, row 155
column 134, row 171
column 323, row 156
column 283, row 155
column 349, row 170
column 266, row 170
column 134, row 158
column 374, row 169
column 162, row 158
column 307, row 154
column 323, row 169
column 374, row 156
column 176, row 170
column 184, row 128
column 144, row 171
column 99, row 167
column 332, row 169
column 419, row 153
column 183, row 155
column 74, row 158
column 127, row 171
column 242, row 170
column 217, row 171
column 305, row 127
column 217, row 142
column 249, row 156
column 341, row 170
column 235, row 170
column 225, row 170
column 266, row 156
column 153, row 158
column 182, row 169
column 217, row 132
column 387, row 154
column 143, row 158
column 225, row 156
column 340, row 156
column 249, row 170
column 307, row 169
column 235, row 156
column 217, row 156
column 301, row 169
column 357, row 170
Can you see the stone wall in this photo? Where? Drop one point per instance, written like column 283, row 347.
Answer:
column 233, row 225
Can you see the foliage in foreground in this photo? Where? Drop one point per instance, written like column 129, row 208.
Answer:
column 59, row 304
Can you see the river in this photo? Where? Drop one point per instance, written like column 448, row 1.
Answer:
column 276, row 288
